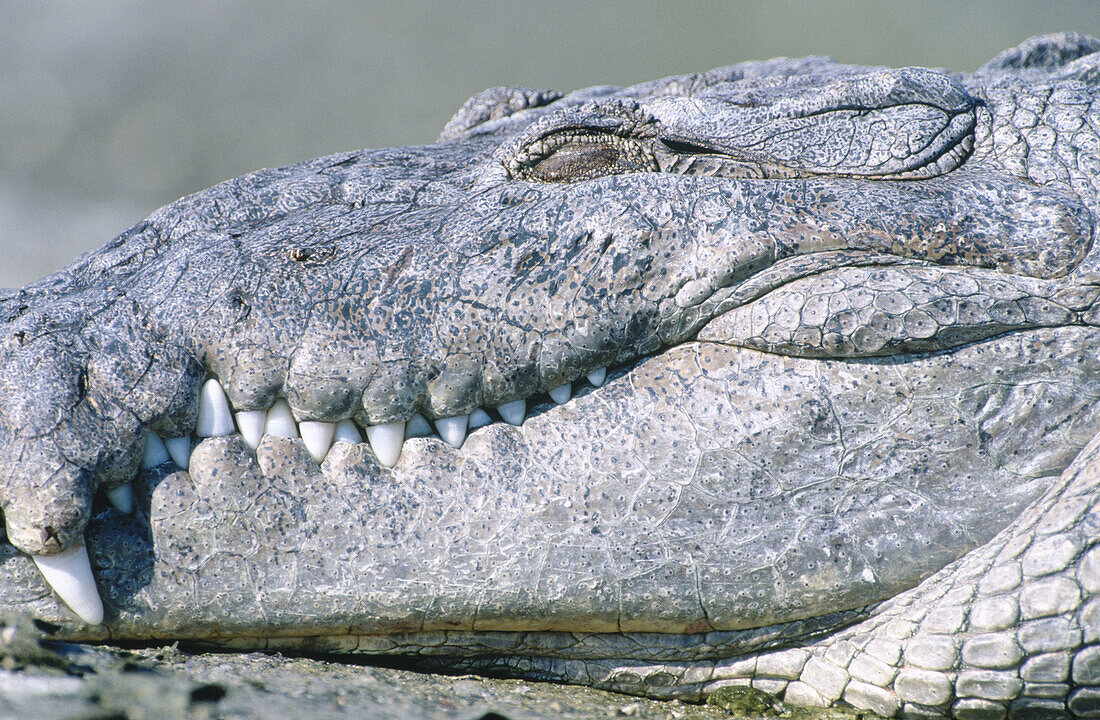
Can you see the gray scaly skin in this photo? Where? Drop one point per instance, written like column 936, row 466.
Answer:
column 843, row 451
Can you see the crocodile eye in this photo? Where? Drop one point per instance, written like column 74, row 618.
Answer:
column 579, row 156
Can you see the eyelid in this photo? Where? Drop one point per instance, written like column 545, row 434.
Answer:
column 576, row 158
column 605, row 121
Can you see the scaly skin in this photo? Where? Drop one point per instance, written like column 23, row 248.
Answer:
column 850, row 315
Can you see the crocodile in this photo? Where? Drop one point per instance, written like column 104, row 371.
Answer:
column 780, row 375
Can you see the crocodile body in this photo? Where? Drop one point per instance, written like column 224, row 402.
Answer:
column 820, row 341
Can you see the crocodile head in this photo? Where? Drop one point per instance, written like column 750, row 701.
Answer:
column 718, row 363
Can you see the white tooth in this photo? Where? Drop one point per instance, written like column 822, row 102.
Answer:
column 180, row 450
column 479, row 418
column 215, row 419
column 385, row 440
column 596, row 377
column 346, row 432
column 280, row 423
column 122, row 497
column 317, row 437
column 251, row 423
column 561, row 393
column 418, row 426
column 513, row 412
column 452, row 429
column 70, row 575
column 155, row 452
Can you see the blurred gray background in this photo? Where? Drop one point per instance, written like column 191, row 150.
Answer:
column 111, row 109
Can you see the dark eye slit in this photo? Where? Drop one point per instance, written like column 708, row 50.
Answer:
column 685, row 148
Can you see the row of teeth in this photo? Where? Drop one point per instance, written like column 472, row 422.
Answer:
column 69, row 573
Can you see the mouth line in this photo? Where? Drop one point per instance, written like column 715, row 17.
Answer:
column 217, row 417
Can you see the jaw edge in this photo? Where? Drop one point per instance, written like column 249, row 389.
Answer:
column 69, row 572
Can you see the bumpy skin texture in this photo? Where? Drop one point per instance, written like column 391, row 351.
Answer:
column 851, row 315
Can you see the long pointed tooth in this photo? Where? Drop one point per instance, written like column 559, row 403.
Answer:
column 155, row 452
column 513, row 412
column 179, row 449
column 280, row 422
column 597, row 376
column 561, row 393
column 385, row 440
column 346, row 432
column 418, row 426
column 479, row 418
column 317, row 437
column 215, row 419
column 70, row 575
column 122, row 497
column 452, row 429
column 251, row 423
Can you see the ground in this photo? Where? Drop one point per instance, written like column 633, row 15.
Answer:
column 40, row 679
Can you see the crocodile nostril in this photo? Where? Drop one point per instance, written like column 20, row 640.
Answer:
column 50, row 538
column 311, row 255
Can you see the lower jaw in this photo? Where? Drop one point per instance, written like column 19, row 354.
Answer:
column 622, row 512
